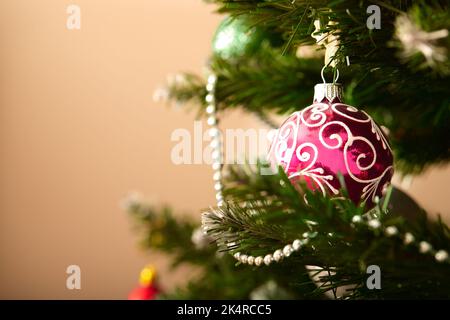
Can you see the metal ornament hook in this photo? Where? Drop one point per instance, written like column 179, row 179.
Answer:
column 329, row 91
column 335, row 79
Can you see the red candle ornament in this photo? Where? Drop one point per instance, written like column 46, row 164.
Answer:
column 147, row 289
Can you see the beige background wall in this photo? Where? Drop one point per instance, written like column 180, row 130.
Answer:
column 79, row 129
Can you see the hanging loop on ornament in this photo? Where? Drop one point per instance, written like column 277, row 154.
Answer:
column 335, row 74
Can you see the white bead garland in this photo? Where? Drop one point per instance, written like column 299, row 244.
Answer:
column 374, row 224
column 356, row 219
column 277, row 255
column 287, row 250
column 424, row 247
column 296, row 245
column 441, row 256
column 215, row 143
column 409, row 238
column 390, row 231
column 268, row 259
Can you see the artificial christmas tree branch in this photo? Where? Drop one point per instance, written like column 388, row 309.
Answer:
column 414, row 107
column 370, row 48
column 262, row 216
column 218, row 277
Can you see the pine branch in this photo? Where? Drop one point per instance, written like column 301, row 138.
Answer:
column 261, row 215
column 219, row 278
column 363, row 46
column 414, row 107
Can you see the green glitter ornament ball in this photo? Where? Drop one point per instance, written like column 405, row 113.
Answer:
column 237, row 36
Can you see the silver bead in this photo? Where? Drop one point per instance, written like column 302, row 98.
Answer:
column 391, row 231
column 219, row 196
column 258, row 261
column 441, row 256
column 250, row 260
column 209, row 98
column 215, row 143
column 217, row 176
column 268, row 259
column 211, row 120
column 212, row 78
column 356, row 219
column 424, row 247
column 210, row 109
column 277, row 255
column 220, row 203
column 217, row 186
column 374, row 224
column 210, row 87
column 213, row 132
column 296, row 245
column 216, row 165
column 237, row 255
column 409, row 238
column 287, row 250
column 215, row 155
column 243, row 258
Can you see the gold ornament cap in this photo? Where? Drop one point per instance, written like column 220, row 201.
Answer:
column 333, row 92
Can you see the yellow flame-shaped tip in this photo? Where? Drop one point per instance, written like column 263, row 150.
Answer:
column 147, row 275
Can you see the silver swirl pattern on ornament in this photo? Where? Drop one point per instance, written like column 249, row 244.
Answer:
column 315, row 116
